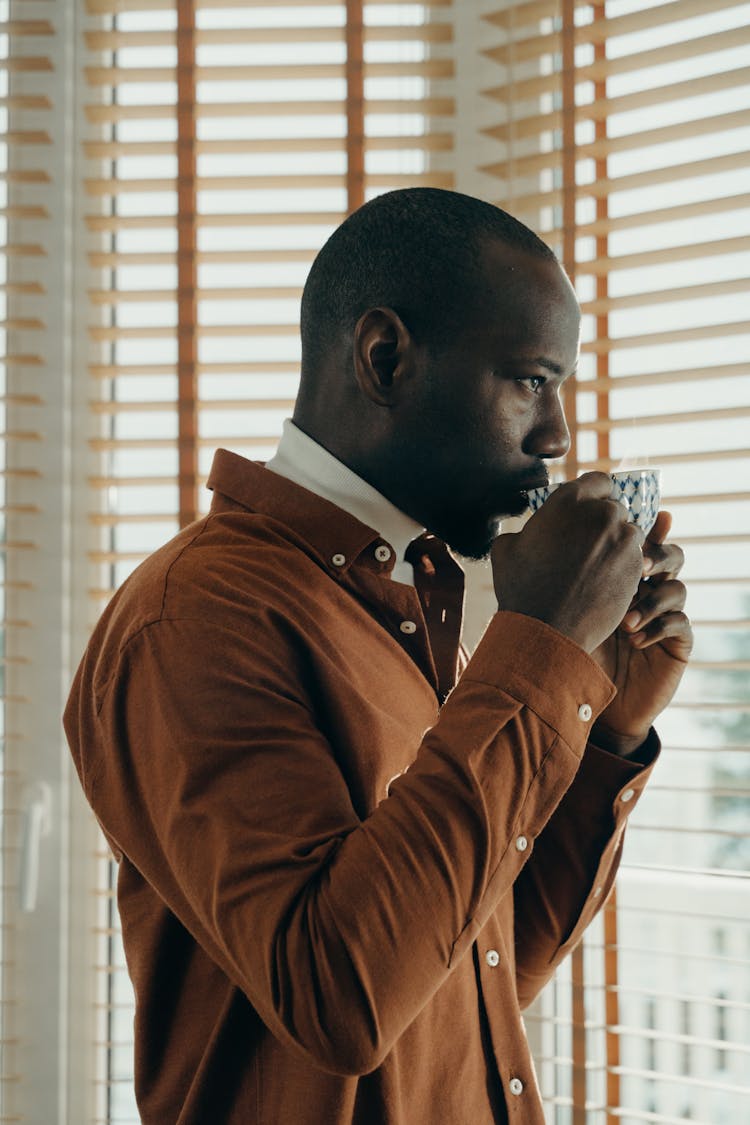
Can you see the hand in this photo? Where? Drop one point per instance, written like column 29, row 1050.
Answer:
column 576, row 563
column 646, row 654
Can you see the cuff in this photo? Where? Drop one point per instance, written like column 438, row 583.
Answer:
column 549, row 673
column 624, row 778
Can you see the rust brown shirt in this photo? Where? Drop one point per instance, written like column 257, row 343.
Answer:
column 336, row 895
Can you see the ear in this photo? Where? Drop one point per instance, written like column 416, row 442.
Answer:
column 382, row 353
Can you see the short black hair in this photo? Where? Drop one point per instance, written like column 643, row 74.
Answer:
column 417, row 251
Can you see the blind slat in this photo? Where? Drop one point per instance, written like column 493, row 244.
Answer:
column 531, row 126
column 115, row 77
column 682, row 50
column 308, row 180
column 608, row 28
column 668, row 296
column 334, row 107
column 112, row 7
column 113, row 408
column 686, row 130
column 113, row 150
column 604, row 425
column 661, row 378
column 144, row 296
column 600, row 189
column 245, row 368
column 405, row 32
column 675, row 335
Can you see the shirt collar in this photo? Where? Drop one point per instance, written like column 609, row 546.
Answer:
column 301, row 459
column 327, row 532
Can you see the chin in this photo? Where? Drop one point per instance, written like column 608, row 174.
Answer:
column 475, row 541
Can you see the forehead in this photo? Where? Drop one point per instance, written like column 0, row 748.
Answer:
column 528, row 301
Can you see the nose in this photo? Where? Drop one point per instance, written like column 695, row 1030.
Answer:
column 549, row 438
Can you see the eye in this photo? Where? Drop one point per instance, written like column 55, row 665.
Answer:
column 533, row 383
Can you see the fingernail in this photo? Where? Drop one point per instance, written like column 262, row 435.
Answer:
column 648, row 564
column 631, row 620
column 637, row 638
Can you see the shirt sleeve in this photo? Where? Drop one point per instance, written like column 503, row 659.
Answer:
column 568, row 878
column 214, row 778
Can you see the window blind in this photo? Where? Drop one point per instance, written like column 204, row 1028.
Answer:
column 41, row 819
column 621, row 134
column 224, row 142
column 25, row 111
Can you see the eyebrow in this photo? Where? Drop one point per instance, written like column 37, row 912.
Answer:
column 549, row 364
column 555, row 368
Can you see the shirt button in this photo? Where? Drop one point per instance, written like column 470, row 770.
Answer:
column 383, row 553
column 521, row 843
column 492, row 957
column 627, row 795
column 408, row 627
column 338, row 560
column 584, row 712
column 515, row 1086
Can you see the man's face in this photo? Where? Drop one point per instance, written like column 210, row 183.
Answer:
column 489, row 415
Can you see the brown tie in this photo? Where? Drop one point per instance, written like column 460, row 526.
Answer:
column 439, row 582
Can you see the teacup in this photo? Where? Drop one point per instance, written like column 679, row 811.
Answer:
column 638, row 490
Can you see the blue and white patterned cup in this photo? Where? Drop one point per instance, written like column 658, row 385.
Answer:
column 638, row 490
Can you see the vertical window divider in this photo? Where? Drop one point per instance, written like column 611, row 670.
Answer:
column 187, row 389
column 567, row 35
column 355, row 105
column 569, row 199
column 609, row 914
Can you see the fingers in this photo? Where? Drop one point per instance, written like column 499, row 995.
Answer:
column 661, row 529
column 593, row 486
column 671, row 630
column 667, row 560
column 660, row 558
column 652, row 599
column 656, row 612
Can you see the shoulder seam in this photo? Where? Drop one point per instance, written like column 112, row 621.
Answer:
column 175, row 560
column 125, row 643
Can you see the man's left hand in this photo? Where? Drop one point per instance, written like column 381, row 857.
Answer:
column 646, row 655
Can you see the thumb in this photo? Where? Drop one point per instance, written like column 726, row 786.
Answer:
column 654, row 539
column 661, row 529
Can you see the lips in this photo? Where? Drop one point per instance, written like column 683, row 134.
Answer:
column 535, row 482
column 535, row 476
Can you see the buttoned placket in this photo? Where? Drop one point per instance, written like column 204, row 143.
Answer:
column 395, row 605
column 516, row 1076
column 430, row 631
column 493, row 969
column 621, row 811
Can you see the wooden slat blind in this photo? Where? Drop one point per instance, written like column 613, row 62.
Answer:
column 281, row 151
column 224, row 142
column 622, row 134
column 25, row 140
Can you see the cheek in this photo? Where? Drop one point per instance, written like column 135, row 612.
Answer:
column 503, row 422
column 475, row 420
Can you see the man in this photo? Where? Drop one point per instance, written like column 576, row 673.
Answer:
column 341, row 876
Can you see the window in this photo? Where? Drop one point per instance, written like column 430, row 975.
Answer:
column 153, row 261
column 211, row 187
column 621, row 130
